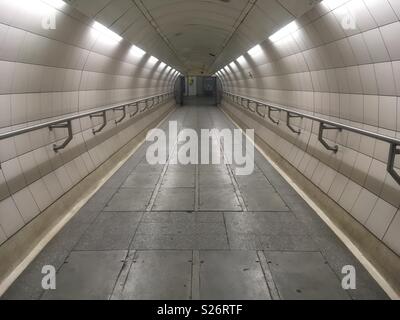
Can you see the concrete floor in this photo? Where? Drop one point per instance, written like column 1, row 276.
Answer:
column 195, row 232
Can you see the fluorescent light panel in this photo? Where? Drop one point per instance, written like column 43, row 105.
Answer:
column 33, row 7
column 153, row 60
column 107, row 32
column 137, row 52
column 284, row 32
column 58, row 4
column 333, row 4
column 255, row 51
column 241, row 60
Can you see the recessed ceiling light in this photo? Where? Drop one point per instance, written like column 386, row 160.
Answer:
column 107, row 33
column 58, row 4
column 241, row 60
column 153, row 60
column 285, row 31
column 255, row 51
column 136, row 51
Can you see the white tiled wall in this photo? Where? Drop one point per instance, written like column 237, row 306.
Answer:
column 348, row 75
column 45, row 74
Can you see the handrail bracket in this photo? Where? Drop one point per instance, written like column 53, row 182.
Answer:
column 289, row 117
column 249, row 102
column 123, row 109
column 145, row 105
column 136, row 111
column 66, row 125
column 270, row 110
column 258, row 105
column 322, row 127
column 102, row 115
column 394, row 151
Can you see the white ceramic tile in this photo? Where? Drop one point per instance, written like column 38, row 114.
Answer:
column 392, row 238
column 29, row 167
column 381, row 11
column 376, row 46
column 388, row 112
column 10, row 218
column 3, row 236
column 26, row 204
column 389, row 34
column 385, row 79
column 371, row 110
column 364, row 205
column 337, row 187
column 53, row 186
column 396, row 7
column 4, row 192
column 13, row 174
column 380, row 218
column 368, row 79
column 364, row 19
column 349, row 195
column 40, row 194
column 5, row 110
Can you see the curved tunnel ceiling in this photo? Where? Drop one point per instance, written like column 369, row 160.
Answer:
column 195, row 36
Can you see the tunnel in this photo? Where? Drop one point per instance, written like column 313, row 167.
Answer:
column 242, row 150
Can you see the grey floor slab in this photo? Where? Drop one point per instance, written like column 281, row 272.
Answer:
column 213, row 169
column 189, row 168
column 179, row 179
column 141, row 180
column 183, row 217
column 130, row 199
column 155, row 275
column 100, row 199
column 284, row 242
column 181, row 228
column 232, row 275
column 181, row 231
column 219, row 199
column 88, row 275
column 266, row 223
column 262, row 200
column 175, row 199
column 255, row 182
column 304, row 275
column 216, row 179
column 205, row 241
column 110, row 231
column 146, row 168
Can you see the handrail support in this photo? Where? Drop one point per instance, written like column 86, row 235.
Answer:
column 123, row 109
column 102, row 115
column 270, row 110
column 249, row 102
column 258, row 105
column 322, row 127
column 145, row 107
column 66, row 125
column 289, row 117
column 136, row 111
column 394, row 151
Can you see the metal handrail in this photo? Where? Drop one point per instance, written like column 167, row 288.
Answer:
column 324, row 124
column 66, row 122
